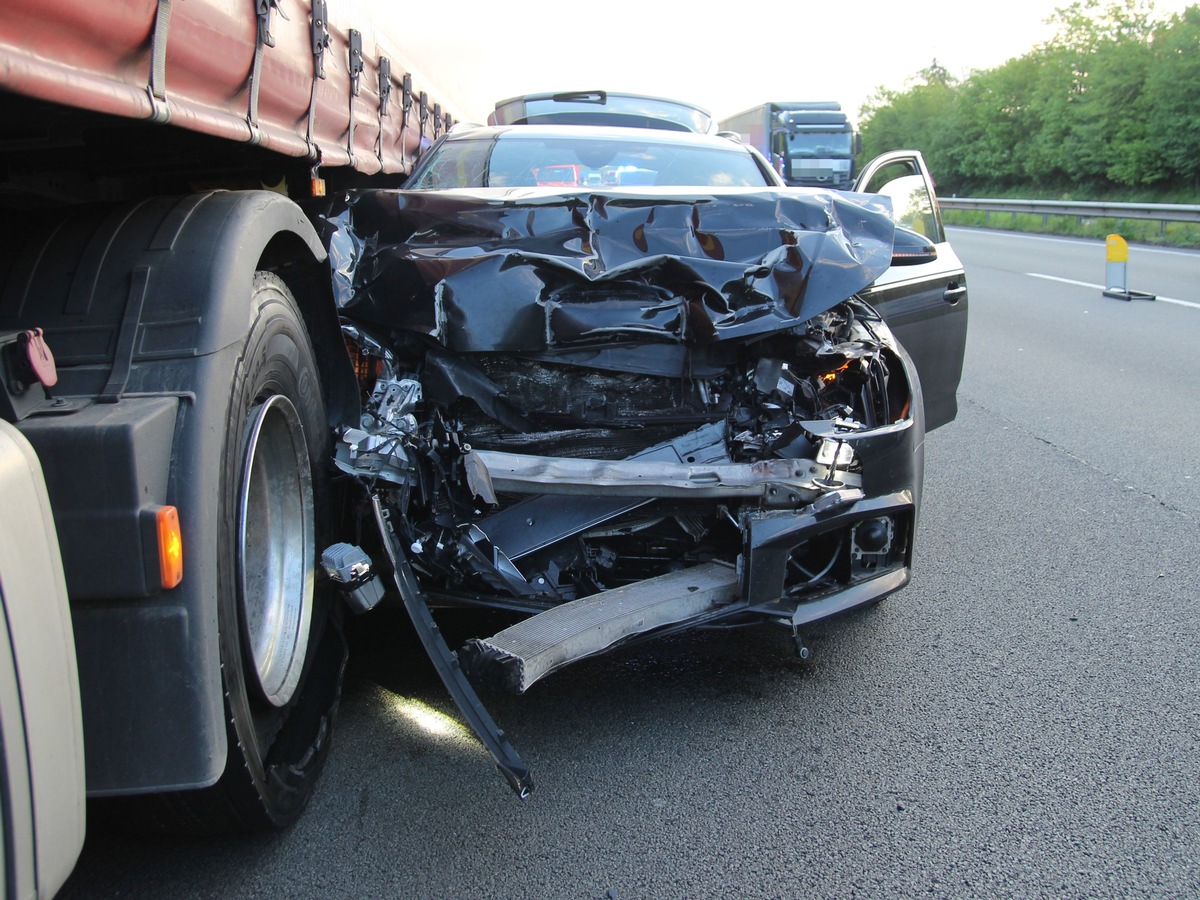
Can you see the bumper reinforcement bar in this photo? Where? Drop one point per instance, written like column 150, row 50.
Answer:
column 511, row 766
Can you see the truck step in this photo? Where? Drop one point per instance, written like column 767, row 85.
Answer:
column 518, row 656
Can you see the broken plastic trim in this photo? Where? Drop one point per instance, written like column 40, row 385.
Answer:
column 510, row 764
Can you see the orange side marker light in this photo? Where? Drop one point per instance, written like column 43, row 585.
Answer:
column 170, row 547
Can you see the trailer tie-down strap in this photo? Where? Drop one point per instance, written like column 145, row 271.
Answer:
column 385, row 96
column 507, row 761
column 406, row 102
column 320, row 43
column 356, row 69
column 157, row 86
column 263, row 39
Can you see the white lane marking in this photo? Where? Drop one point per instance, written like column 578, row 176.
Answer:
column 1100, row 287
column 1096, row 242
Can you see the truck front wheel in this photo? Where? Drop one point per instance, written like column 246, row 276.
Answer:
column 282, row 651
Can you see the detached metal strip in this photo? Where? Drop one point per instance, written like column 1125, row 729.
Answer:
column 510, row 764
column 523, row 653
column 489, row 471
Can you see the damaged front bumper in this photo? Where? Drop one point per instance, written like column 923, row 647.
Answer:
column 826, row 548
column 600, row 553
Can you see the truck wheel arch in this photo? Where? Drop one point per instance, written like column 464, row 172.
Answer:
column 196, row 259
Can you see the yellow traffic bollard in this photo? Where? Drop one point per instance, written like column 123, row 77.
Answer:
column 1115, row 277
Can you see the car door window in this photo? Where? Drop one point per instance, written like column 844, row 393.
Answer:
column 912, row 202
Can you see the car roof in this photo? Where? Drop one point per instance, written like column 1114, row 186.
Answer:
column 597, row 132
column 601, row 108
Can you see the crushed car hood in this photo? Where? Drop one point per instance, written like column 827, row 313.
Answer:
column 537, row 270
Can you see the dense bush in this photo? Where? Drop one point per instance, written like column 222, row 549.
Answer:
column 1107, row 109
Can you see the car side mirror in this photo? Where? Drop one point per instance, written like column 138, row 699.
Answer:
column 912, row 249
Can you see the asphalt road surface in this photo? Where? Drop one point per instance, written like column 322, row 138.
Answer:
column 1022, row 721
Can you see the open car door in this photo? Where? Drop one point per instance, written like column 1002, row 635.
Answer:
column 924, row 297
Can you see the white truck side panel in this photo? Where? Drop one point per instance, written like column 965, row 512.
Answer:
column 40, row 715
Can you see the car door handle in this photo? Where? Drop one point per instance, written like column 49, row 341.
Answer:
column 954, row 293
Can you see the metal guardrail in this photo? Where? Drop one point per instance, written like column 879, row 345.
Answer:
column 1161, row 212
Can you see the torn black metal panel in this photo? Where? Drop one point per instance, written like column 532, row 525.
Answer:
column 449, row 377
column 532, row 270
column 346, row 250
column 668, row 360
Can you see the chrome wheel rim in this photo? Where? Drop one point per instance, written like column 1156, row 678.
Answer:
column 275, row 548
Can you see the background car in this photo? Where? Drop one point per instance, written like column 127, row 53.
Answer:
column 606, row 108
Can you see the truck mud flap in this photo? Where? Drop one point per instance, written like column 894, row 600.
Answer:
column 510, row 764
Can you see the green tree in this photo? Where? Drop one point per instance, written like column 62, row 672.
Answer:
column 1109, row 101
column 1173, row 85
column 1055, row 90
column 994, row 123
column 914, row 119
column 1107, row 51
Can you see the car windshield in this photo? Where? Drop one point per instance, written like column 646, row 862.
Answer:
column 513, row 159
column 820, row 143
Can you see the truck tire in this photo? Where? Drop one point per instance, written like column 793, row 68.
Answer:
column 282, row 651
column 282, row 648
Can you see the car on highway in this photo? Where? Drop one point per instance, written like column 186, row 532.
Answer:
column 624, row 383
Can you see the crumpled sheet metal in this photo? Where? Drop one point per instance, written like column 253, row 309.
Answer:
column 532, row 270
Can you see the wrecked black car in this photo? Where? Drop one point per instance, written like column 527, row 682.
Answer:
column 625, row 383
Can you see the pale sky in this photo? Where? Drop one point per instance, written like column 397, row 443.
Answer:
column 725, row 56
